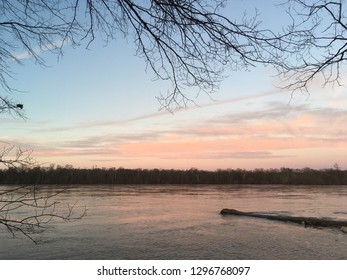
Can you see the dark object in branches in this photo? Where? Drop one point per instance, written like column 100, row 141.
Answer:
column 306, row 221
column 27, row 211
column 7, row 105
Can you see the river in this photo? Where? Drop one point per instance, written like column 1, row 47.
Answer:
column 183, row 222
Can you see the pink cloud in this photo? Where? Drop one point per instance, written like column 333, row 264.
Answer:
column 274, row 135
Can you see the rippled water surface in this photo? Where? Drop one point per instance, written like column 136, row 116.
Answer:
column 183, row 222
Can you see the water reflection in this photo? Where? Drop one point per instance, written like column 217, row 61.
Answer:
column 183, row 222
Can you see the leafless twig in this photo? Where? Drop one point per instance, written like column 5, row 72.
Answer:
column 28, row 210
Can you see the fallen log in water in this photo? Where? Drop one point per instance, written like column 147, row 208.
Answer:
column 307, row 221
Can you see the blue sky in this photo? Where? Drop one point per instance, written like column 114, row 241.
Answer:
column 97, row 107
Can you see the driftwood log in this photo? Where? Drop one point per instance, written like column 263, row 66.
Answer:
column 307, row 221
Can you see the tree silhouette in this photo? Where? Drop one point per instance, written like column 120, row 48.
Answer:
column 188, row 42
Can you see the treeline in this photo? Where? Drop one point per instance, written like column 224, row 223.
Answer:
column 69, row 175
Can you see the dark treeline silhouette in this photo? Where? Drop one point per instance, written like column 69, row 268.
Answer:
column 69, row 175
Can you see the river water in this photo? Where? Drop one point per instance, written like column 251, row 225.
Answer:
column 183, row 222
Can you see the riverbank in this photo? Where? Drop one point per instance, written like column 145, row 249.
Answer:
column 70, row 175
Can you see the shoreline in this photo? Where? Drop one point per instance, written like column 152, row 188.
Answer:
column 68, row 175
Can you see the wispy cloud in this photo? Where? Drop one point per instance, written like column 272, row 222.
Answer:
column 37, row 51
column 273, row 132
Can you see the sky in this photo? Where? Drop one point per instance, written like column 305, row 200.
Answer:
column 97, row 108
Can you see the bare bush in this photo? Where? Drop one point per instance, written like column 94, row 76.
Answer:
column 28, row 211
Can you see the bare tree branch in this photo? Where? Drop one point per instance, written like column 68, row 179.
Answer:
column 12, row 157
column 9, row 106
column 28, row 211
column 190, row 43
column 314, row 45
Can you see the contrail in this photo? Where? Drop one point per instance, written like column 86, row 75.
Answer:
column 164, row 113
column 215, row 103
column 243, row 98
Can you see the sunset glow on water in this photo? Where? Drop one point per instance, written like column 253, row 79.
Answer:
column 183, row 222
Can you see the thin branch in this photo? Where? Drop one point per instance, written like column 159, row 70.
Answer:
column 39, row 208
column 315, row 44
